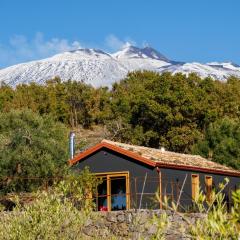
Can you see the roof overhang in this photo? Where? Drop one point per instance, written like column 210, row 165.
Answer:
column 197, row 169
column 81, row 156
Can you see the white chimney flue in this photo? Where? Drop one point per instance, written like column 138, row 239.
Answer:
column 72, row 144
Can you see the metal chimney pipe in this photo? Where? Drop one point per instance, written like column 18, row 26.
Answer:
column 72, row 144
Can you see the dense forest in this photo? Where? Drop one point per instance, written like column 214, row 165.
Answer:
column 182, row 113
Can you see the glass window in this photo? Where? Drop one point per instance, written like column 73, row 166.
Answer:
column 102, row 196
column 113, row 192
column 118, row 193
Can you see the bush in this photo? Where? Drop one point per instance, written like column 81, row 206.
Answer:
column 49, row 217
column 219, row 223
column 58, row 214
column 80, row 188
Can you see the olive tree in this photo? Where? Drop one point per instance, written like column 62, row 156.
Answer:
column 31, row 146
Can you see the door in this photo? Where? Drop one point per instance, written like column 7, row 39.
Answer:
column 113, row 192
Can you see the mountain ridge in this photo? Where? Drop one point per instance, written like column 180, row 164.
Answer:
column 99, row 68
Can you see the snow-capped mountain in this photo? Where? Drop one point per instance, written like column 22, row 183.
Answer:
column 99, row 68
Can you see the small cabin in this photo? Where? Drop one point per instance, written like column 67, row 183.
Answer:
column 133, row 175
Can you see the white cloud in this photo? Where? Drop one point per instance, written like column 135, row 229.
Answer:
column 21, row 49
column 114, row 43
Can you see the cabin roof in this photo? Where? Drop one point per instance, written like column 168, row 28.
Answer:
column 160, row 158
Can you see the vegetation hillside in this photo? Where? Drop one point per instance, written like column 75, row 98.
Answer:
column 182, row 113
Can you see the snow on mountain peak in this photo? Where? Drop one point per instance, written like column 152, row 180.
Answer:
column 98, row 68
column 89, row 51
column 134, row 52
column 227, row 65
column 82, row 53
column 150, row 52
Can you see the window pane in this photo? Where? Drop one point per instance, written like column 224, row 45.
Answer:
column 102, row 196
column 118, row 193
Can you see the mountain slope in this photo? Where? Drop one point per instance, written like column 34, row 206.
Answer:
column 91, row 66
column 98, row 68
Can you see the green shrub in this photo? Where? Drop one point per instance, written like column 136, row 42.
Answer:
column 80, row 188
column 59, row 213
column 49, row 217
column 219, row 223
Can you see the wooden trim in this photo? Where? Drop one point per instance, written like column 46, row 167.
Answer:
column 120, row 150
column 208, row 185
column 197, row 169
column 109, row 205
column 96, row 196
column 127, row 192
column 160, row 186
column 195, row 186
column 110, row 173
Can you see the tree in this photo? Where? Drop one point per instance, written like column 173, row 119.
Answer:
column 145, row 108
column 160, row 109
column 31, row 146
column 221, row 142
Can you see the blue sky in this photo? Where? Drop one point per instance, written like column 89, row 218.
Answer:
column 185, row 30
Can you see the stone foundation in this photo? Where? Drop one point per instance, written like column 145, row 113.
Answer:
column 138, row 224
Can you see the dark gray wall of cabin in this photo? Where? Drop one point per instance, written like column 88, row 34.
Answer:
column 106, row 160
column 172, row 182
